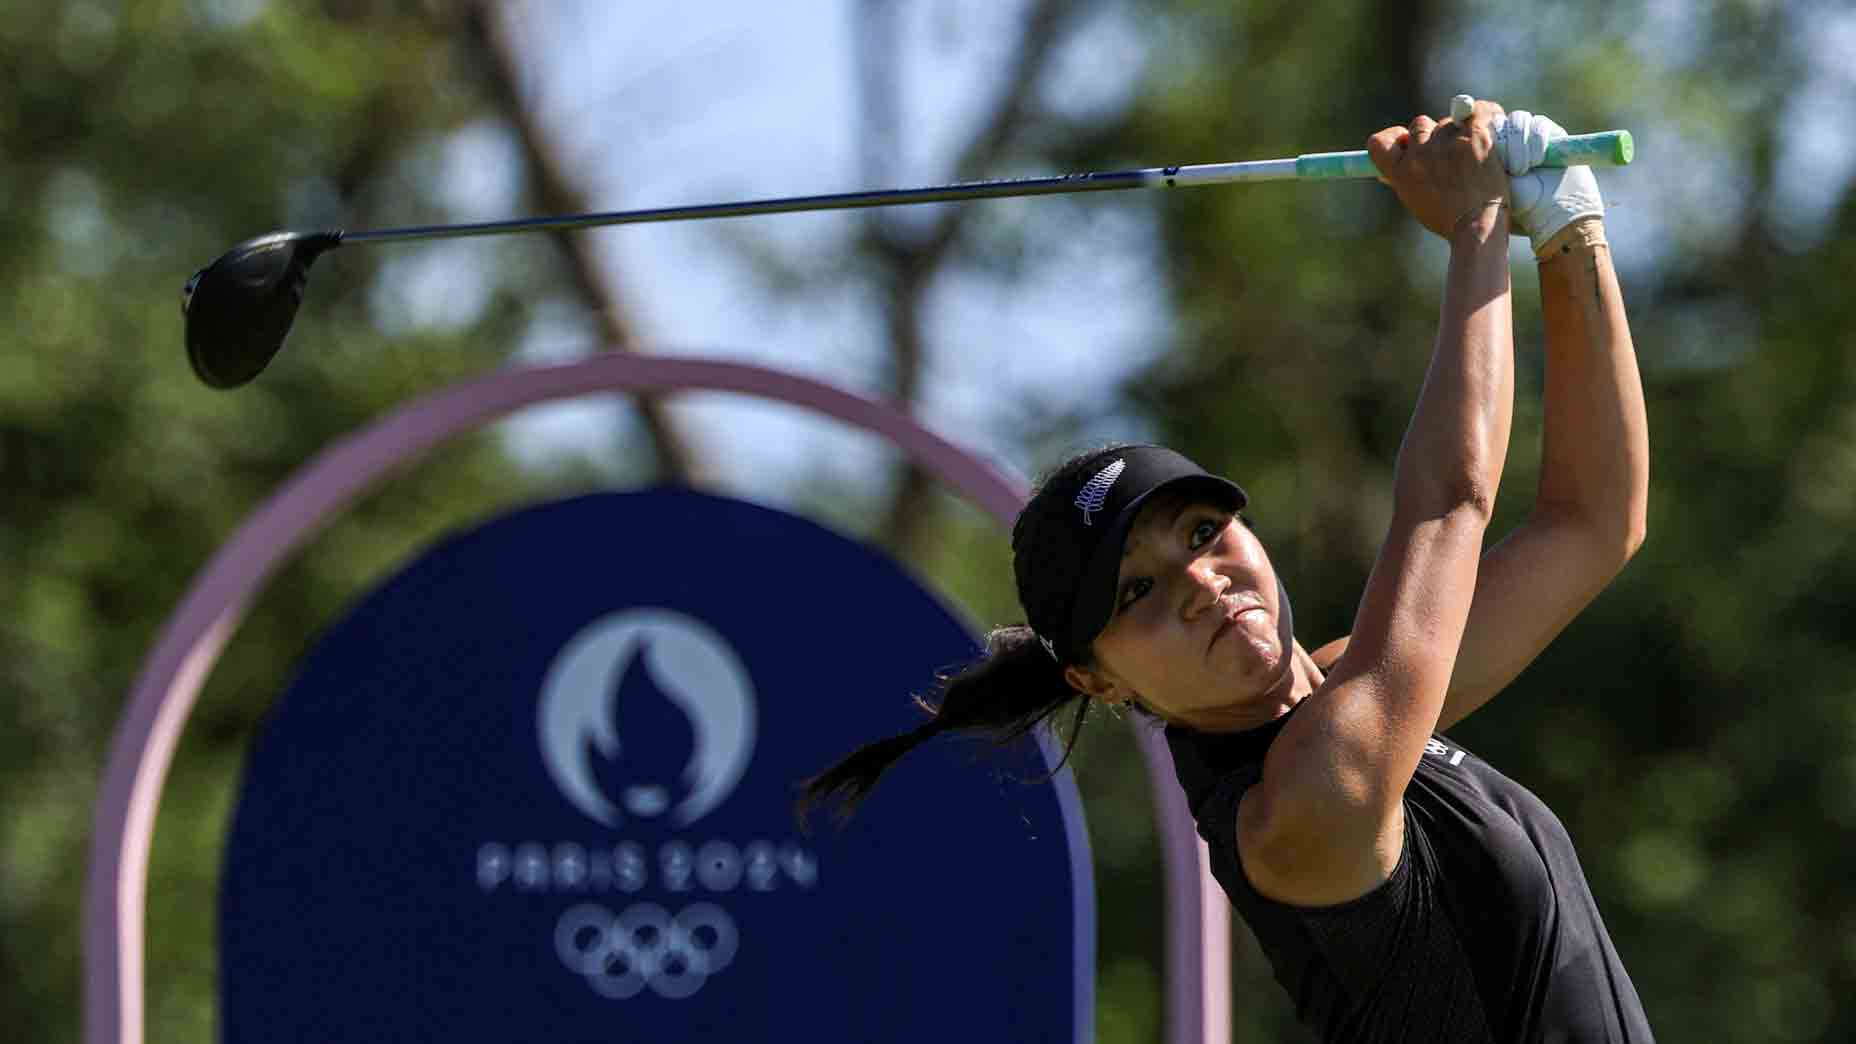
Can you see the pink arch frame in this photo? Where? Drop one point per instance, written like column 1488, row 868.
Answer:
column 1198, row 920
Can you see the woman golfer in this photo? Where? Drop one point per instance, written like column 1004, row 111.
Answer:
column 1402, row 887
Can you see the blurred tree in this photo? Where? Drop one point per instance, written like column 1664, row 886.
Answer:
column 905, row 259
column 489, row 27
column 136, row 142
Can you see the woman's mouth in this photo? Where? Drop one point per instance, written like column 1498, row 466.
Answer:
column 1231, row 615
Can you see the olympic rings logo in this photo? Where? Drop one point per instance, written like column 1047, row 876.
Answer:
column 644, row 945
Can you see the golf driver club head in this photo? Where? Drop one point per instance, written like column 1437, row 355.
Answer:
column 239, row 308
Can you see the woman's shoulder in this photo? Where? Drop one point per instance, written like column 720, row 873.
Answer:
column 1328, row 655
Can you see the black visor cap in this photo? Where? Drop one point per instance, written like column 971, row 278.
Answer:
column 1095, row 595
column 1067, row 544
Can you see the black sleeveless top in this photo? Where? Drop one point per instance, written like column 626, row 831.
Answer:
column 1485, row 932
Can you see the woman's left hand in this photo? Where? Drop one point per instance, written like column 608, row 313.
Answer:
column 1443, row 172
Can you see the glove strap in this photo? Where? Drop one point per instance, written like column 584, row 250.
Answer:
column 1583, row 234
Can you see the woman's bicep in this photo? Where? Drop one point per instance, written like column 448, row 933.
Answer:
column 1388, row 687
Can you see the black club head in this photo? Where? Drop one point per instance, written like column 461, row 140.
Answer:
column 239, row 308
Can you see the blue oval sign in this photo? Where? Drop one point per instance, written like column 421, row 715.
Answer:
column 539, row 786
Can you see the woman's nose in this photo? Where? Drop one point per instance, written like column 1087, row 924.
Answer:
column 1204, row 587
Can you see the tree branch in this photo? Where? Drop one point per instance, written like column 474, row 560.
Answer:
column 556, row 193
column 912, row 262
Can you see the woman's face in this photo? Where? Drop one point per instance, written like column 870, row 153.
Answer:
column 1194, row 631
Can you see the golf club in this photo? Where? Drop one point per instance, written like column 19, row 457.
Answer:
column 239, row 309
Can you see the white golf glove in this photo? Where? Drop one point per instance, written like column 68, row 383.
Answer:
column 1546, row 199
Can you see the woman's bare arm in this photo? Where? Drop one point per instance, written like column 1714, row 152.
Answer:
column 1589, row 513
column 1324, row 823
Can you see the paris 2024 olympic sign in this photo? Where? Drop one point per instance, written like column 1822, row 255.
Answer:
column 538, row 785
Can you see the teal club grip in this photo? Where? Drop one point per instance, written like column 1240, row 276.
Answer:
column 1603, row 148
column 1600, row 149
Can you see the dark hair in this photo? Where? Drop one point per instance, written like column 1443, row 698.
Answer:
column 1015, row 686
column 1009, row 691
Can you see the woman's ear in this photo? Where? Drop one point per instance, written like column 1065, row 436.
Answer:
column 1097, row 684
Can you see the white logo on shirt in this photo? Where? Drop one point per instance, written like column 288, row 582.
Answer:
column 1436, row 746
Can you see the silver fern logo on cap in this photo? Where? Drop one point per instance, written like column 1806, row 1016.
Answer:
column 1095, row 492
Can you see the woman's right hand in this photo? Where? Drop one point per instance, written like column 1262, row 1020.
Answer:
column 1444, row 173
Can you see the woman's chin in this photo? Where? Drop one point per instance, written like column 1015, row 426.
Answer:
column 1265, row 666
column 1259, row 654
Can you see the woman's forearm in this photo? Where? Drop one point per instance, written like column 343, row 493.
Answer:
column 1458, row 439
column 1595, row 452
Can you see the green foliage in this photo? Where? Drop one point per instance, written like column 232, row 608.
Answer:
column 137, row 141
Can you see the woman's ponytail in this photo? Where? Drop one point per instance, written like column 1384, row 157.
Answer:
column 1005, row 694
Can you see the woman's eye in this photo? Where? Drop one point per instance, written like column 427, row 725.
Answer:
column 1133, row 592
column 1204, row 532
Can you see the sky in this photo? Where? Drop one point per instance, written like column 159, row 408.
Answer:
column 662, row 104
column 659, row 103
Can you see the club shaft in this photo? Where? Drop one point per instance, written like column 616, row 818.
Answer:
column 1609, row 147
column 1063, row 183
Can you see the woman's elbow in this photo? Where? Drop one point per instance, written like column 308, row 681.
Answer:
column 1611, row 534
column 1463, row 497
column 1632, row 525
column 1634, row 535
column 1619, row 542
